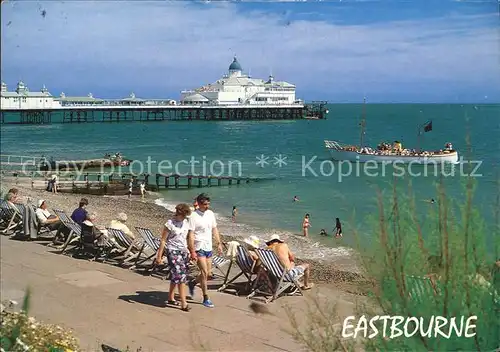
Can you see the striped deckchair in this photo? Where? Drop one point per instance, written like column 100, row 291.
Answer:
column 101, row 250
column 276, row 271
column 151, row 244
column 219, row 262
column 73, row 237
column 246, row 265
column 65, row 219
column 130, row 253
column 12, row 217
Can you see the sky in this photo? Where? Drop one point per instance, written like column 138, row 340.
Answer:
column 419, row 51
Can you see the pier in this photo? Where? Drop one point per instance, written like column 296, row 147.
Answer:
column 89, row 114
column 115, row 114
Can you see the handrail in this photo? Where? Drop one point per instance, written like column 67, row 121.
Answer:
column 333, row 145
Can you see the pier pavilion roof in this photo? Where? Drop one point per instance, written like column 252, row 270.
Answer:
column 79, row 99
column 246, row 81
column 26, row 94
column 22, row 91
column 132, row 98
column 196, row 98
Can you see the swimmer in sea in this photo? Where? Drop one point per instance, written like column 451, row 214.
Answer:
column 234, row 213
column 338, row 228
column 295, row 198
column 306, row 224
column 323, row 232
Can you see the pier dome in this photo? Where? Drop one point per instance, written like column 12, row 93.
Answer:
column 235, row 68
column 235, row 65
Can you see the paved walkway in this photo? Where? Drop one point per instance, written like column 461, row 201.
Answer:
column 107, row 304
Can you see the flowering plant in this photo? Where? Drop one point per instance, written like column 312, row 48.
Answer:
column 20, row 332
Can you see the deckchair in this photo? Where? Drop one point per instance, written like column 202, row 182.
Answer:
column 151, row 244
column 12, row 217
column 65, row 219
column 99, row 251
column 285, row 281
column 219, row 262
column 245, row 264
column 73, row 236
column 130, row 253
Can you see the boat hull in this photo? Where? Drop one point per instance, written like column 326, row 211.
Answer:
column 340, row 155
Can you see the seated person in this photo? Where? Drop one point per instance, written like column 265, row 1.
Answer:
column 45, row 218
column 79, row 215
column 252, row 243
column 52, row 222
column 13, row 196
column 119, row 224
column 12, row 200
column 288, row 260
column 91, row 233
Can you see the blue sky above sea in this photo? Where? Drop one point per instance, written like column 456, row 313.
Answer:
column 387, row 51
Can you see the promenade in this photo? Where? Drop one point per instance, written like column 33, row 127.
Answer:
column 106, row 304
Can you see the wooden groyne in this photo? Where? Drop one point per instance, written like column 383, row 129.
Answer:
column 118, row 184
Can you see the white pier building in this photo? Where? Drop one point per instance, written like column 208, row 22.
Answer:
column 235, row 88
column 23, row 99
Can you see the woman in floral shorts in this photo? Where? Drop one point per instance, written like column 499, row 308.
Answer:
column 175, row 235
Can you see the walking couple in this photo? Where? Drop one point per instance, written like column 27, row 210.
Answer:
column 188, row 236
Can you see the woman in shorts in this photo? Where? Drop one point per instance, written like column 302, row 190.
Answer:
column 174, row 237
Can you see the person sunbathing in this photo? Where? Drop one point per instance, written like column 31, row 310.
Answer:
column 287, row 258
column 119, row 224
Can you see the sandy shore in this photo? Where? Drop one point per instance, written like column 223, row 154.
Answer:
column 145, row 213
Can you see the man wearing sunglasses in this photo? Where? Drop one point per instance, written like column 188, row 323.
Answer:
column 202, row 228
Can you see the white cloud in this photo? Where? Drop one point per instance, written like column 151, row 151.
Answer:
column 170, row 46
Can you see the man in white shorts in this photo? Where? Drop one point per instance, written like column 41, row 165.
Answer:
column 202, row 227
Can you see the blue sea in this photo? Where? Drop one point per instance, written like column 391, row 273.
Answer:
column 279, row 152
